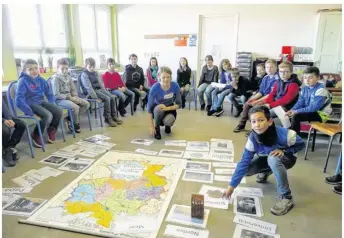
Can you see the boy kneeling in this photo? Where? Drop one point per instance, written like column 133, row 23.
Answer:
column 275, row 149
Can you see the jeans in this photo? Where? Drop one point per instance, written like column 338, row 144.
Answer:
column 186, row 90
column 49, row 113
column 9, row 141
column 166, row 118
column 78, row 105
column 232, row 99
column 218, row 96
column 297, row 118
column 278, row 166
column 109, row 103
column 124, row 97
column 207, row 89
column 137, row 93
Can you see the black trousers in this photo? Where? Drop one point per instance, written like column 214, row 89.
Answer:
column 9, row 139
column 303, row 116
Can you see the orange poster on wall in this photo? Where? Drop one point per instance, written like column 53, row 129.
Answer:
column 181, row 41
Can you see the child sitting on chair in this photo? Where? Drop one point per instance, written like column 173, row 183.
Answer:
column 264, row 90
column 30, row 99
column 135, row 81
column 313, row 104
column 152, row 71
column 184, row 75
column 256, row 81
column 95, row 89
column 239, row 88
column 66, row 94
column 113, row 83
column 218, row 94
column 269, row 150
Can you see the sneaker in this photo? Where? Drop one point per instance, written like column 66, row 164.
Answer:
column 238, row 111
column 118, row 121
column 110, row 122
column 15, row 155
column 202, row 107
column 334, row 180
column 219, row 112
column 7, row 157
column 338, row 189
column 77, row 128
column 208, row 108
column 36, row 140
column 51, row 134
column 157, row 133
column 263, row 177
column 211, row 112
column 282, row 206
column 122, row 114
column 167, row 129
column 240, row 127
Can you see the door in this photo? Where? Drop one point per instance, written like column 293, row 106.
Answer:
column 218, row 37
column 328, row 48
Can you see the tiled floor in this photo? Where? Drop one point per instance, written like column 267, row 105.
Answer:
column 317, row 212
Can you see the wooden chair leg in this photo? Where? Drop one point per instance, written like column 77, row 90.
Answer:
column 309, row 136
column 313, row 142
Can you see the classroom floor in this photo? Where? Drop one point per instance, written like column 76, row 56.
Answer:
column 317, row 212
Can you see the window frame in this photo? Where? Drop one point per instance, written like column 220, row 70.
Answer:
column 24, row 49
column 97, row 49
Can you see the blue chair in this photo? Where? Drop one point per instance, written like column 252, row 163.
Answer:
column 97, row 104
column 11, row 93
column 69, row 110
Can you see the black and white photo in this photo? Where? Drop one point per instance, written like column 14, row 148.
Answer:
column 23, row 206
column 198, row 166
column 248, row 205
column 197, row 176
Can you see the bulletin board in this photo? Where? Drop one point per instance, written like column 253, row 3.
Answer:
column 168, row 52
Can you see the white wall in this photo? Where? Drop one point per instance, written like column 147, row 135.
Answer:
column 263, row 29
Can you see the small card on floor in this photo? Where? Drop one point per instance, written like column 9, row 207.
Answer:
column 185, row 232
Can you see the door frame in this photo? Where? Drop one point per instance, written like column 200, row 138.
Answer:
column 235, row 45
column 319, row 30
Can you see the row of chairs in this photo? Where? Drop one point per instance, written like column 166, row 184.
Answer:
column 34, row 120
column 94, row 103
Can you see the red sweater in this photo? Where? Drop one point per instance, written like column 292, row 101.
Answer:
column 292, row 91
column 112, row 80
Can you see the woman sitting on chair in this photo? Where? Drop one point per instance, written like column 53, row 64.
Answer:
column 163, row 101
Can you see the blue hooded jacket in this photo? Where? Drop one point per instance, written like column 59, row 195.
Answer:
column 286, row 140
column 32, row 91
column 314, row 99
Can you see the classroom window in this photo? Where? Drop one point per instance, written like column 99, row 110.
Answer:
column 95, row 27
column 24, row 26
column 53, row 23
column 35, row 27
